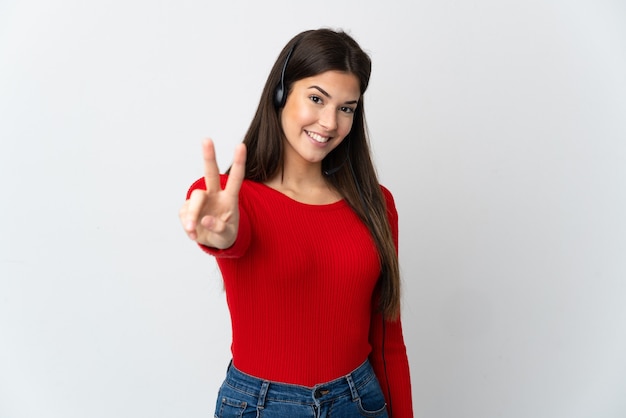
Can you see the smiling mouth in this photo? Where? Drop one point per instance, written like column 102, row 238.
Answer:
column 317, row 137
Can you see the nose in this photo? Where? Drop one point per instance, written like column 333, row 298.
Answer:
column 328, row 118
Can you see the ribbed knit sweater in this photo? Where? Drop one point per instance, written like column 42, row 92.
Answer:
column 300, row 286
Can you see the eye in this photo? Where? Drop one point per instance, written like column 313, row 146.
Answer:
column 315, row 99
column 347, row 109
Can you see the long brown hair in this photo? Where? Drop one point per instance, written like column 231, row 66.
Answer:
column 311, row 53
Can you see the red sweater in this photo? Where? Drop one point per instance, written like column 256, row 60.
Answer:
column 300, row 285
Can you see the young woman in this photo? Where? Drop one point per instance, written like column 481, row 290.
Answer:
column 306, row 240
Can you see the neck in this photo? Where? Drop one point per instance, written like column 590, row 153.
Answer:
column 299, row 173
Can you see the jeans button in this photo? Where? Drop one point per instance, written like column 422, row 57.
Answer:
column 319, row 392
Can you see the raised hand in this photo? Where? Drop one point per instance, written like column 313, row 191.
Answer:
column 211, row 217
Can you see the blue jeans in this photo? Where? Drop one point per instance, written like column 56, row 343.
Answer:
column 357, row 394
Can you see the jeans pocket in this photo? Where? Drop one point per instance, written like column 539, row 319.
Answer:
column 371, row 402
column 230, row 408
column 233, row 403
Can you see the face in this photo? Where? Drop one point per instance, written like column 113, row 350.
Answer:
column 318, row 115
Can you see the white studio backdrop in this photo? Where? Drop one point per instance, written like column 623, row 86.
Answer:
column 499, row 126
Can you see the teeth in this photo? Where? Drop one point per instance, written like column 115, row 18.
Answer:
column 317, row 137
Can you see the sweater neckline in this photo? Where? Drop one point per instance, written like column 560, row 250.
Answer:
column 281, row 195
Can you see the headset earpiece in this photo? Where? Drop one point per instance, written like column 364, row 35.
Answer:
column 280, row 95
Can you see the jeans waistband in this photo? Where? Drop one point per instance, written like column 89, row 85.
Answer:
column 266, row 389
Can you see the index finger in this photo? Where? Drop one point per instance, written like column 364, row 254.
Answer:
column 237, row 172
column 211, row 171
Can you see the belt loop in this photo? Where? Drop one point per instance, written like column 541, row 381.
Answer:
column 263, row 394
column 353, row 391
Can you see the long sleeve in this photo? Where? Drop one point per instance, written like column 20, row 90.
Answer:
column 388, row 357
column 390, row 362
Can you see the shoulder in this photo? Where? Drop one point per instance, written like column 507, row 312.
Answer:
column 196, row 185
column 390, row 207
column 201, row 185
column 389, row 200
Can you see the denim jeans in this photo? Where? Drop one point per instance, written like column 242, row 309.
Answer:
column 357, row 394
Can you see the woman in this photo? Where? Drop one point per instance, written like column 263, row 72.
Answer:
column 306, row 240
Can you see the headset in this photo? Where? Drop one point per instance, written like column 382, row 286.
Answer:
column 280, row 95
column 280, row 98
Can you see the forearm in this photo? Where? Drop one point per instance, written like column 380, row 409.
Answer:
column 390, row 362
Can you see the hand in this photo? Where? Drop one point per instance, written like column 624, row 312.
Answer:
column 211, row 217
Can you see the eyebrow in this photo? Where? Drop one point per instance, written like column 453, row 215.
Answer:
column 325, row 93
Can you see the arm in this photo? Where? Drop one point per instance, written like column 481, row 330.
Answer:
column 390, row 362
column 388, row 356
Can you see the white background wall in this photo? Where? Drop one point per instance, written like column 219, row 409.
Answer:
column 500, row 126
